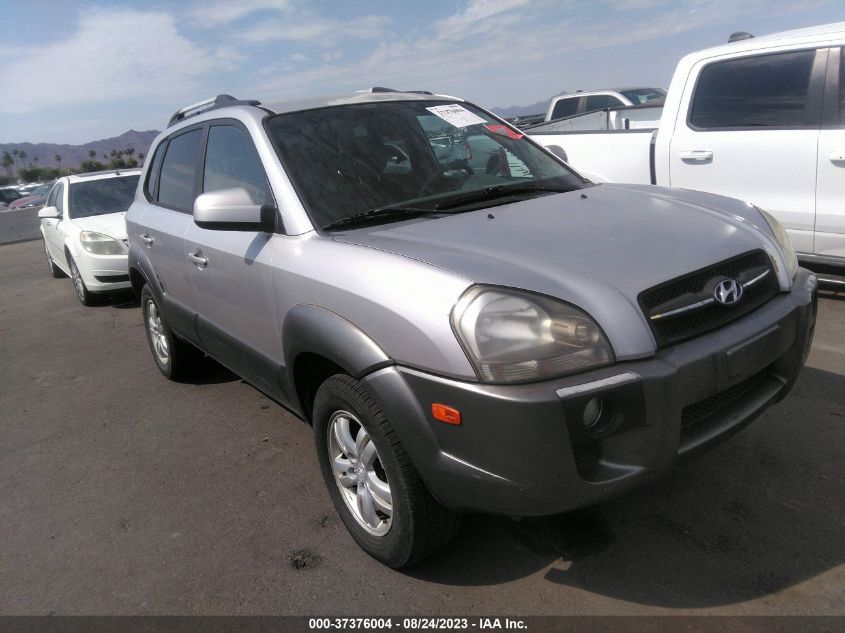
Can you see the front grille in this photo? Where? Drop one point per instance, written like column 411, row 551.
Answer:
column 697, row 287
column 703, row 409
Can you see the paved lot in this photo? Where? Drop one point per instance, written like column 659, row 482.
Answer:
column 123, row 493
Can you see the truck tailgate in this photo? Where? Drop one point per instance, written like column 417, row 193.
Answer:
column 606, row 156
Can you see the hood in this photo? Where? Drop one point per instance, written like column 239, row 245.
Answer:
column 111, row 224
column 597, row 248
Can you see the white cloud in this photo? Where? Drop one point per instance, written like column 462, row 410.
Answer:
column 112, row 55
column 305, row 27
column 223, row 12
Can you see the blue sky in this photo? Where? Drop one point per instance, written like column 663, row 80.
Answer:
column 76, row 72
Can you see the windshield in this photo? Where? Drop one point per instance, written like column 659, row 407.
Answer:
column 643, row 96
column 43, row 190
column 348, row 160
column 98, row 197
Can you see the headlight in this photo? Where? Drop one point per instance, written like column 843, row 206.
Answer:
column 99, row 244
column 782, row 238
column 512, row 336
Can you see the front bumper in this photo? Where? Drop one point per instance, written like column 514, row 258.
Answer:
column 104, row 273
column 521, row 450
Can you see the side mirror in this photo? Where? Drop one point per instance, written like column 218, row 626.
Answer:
column 233, row 210
column 49, row 212
column 558, row 151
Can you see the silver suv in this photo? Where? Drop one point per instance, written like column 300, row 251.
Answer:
column 474, row 330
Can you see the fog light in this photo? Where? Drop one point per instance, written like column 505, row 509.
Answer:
column 592, row 413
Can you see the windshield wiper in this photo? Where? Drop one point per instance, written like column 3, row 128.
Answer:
column 498, row 191
column 393, row 212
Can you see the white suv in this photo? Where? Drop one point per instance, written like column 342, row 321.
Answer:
column 84, row 231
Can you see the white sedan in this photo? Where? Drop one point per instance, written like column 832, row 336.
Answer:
column 85, row 233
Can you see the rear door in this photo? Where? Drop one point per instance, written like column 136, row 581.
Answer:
column 171, row 193
column 830, row 198
column 234, row 287
column 748, row 128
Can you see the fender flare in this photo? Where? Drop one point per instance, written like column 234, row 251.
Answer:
column 315, row 330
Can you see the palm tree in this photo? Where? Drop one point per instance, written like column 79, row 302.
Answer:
column 141, row 156
column 92, row 153
column 58, row 160
column 7, row 163
column 129, row 151
column 22, row 155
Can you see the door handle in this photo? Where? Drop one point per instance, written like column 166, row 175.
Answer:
column 197, row 258
column 837, row 157
column 697, row 155
column 147, row 239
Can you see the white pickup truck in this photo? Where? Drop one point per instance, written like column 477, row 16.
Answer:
column 762, row 120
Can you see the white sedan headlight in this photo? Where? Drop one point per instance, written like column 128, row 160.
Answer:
column 782, row 238
column 100, row 244
column 512, row 336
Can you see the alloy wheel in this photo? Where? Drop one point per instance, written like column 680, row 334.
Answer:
column 157, row 335
column 359, row 474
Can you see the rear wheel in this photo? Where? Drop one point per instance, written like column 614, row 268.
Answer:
column 175, row 358
column 55, row 271
column 85, row 297
column 374, row 486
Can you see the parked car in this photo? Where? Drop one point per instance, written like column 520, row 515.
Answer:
column 35, row 199
column 28, row 188
column 8, row 194
column 759, row 119
column 84, row 231
column 582, row 102
column 461, row 339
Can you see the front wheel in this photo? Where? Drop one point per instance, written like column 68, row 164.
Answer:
column 375, row 488
column 85, row 297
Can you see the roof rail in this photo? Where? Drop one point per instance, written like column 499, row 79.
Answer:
column 220, row 101
column 739, row 36
column 383, row 89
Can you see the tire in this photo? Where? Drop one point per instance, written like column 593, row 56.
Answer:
column 85, row 297
column 416, row 525
column 55, row 271
column 178, row 360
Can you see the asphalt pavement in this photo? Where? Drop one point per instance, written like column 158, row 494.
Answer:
column 124, row 493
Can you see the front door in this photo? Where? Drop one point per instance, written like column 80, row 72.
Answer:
column 231, row 272
column 752, row 133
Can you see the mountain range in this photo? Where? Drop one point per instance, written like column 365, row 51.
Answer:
column 540, row 107
column 43, row 154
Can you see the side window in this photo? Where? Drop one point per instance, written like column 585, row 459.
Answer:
column 761, row 91
column 153, row 174
column 178, row 171
column 565, row 107
column 231, row 161
column 60, row 197
column 600, row 102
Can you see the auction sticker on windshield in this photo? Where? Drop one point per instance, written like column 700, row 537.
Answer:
column 456, row 115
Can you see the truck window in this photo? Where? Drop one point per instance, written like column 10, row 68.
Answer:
column 600, row 102
column 565, row 107
column 761, row 91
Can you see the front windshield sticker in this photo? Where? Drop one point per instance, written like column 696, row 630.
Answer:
column 456, row 115
column 503, row 130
